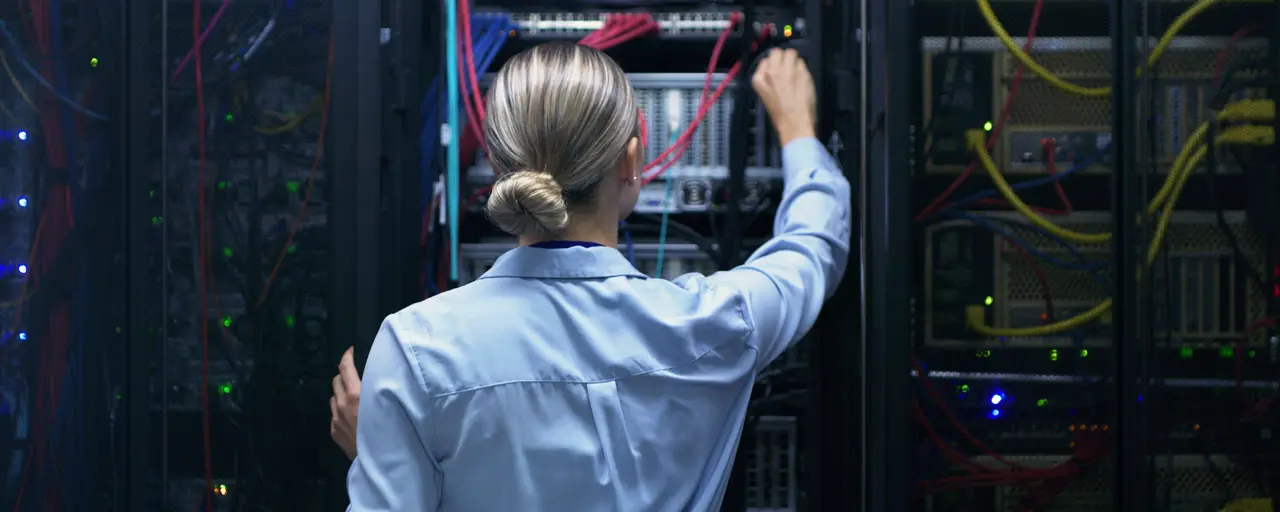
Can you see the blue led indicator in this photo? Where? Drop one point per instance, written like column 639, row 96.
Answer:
column 22, row 135
column 995, row 413
column 22, row 269
column 22, row 202
column 22, row 336
column 997, row 398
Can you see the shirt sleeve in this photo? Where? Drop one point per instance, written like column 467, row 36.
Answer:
column 394, row 469
column 785, row 282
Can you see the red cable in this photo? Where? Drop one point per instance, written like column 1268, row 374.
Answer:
column 1221, row 63
column 203, row 249
column 311, row 178
column 1050, row 147
column 55, row 220
column 1005, row 111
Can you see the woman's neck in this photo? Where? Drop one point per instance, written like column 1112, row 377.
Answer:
column 592, row 231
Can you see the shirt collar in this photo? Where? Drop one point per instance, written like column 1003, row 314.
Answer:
column 567, row 263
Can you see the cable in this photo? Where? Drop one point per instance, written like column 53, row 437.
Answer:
column 17, row 84
column 1005, row 111
column 988, row 224
column 203, row 260
column 40, row 79
column 1248, row 110
column 1254, row 135
column 451, row 114
column 1162, row 45
column 626, row 237
column 217, row 16
column 311, row 177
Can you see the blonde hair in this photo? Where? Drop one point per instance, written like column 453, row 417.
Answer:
column 558, row 121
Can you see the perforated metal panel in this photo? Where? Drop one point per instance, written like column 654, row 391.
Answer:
column 1182, row 87
column 1211, row 297
column 1193, row 482
column 772, row 466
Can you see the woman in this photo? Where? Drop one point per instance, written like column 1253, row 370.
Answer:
column 563, row 379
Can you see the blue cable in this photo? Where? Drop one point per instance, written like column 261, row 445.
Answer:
column 488, row 41
column 666, row 214
column 1046, row 180
column 626, row 237
column 17, row 54
column 451, row 113
column 989, row 223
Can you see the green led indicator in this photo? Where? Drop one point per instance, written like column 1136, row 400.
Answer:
column 222, row 185
column 151, row 193
column 156, row 221
column 226, row 321
column 1042, row 402
column 93, row 63
column 290, row 321
column 292, row 185
column 1186, row 352
column 1053, row 354
column 229, row 117
column 292, row 249
column 984, row 353
column 119, row 396
column 1227, row 352
column 987, row 126
column 226, row 252
column 225, row 388
column 1253, row 354
column 989, row 301
column 1084, row 352
column 963, row 388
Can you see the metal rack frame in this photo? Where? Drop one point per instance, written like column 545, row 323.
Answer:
column 356, row 174
column 131, row 158
column 887, row 244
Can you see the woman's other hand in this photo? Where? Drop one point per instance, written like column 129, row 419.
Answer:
column 344, row 405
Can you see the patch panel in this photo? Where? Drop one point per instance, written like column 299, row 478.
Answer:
column 705, row 23
column 964, row 89
column 773, row 465
column 1198, row 289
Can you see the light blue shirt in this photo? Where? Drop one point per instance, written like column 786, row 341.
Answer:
column 566, row 380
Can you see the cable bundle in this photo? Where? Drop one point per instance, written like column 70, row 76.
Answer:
column 1234, row 124
column 618, row 29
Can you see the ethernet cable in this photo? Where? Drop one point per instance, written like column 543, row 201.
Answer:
column 1162, row 45
column 675, row 115
column 1247, row 110
column 451, row 131
column 989, row 223
column 975, row 315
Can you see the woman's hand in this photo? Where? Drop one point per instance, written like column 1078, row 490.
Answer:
column 344, row 405
column 785, row 87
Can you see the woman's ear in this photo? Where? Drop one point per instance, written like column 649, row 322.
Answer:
column 630, row 167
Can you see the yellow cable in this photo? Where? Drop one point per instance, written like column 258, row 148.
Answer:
column 293, row 123
column 4, row 109
column 975, row 315
column 1248, row 505
column 1248, row 110
column 16, row 83
column 984, row 7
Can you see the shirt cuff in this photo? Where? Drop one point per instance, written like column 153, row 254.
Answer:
column 804, row 156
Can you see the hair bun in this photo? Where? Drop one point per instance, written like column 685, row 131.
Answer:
column 525, row 202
